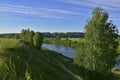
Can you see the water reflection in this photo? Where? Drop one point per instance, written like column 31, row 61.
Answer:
column 118, row 62
column 67, row 51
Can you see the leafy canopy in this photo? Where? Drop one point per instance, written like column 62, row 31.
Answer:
column 100, row 43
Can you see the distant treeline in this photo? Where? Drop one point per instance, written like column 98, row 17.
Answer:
column 63, row 35
column 52, row 35
column 8, row 35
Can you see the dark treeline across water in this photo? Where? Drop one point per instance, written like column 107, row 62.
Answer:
column 52, row 35
column 63, row 35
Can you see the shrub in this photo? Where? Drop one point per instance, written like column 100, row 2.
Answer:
column 38, row 40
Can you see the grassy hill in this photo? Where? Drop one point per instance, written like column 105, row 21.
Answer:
column 18, row 61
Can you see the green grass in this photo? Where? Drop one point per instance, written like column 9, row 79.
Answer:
column 18, row 62
column 21, row 62
column 71, row 42
column 72, row 39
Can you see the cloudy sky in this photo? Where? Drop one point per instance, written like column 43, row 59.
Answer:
column 52, row 15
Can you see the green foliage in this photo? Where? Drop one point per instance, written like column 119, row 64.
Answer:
column 18, row 62
column 27, row 35
column 86, row 74
column 63, row 35
column 9, row 35
column 23, row 32
column 1, row 36
column 80, row 53
column 72, row 42
column 38, row 40
column 28, row 74
column 17, row 36
column 100, row 43
column 58, row 38
column 30, row 38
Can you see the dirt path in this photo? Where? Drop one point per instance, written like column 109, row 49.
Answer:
column 116, row 74
column 70, row 72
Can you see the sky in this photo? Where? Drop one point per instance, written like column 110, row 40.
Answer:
column 52, row 15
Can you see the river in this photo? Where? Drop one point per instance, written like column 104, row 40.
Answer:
column 66, row 51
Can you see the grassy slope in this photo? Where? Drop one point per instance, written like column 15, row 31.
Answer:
column 16, row 60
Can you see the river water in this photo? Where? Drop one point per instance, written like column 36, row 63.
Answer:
column 67, row 51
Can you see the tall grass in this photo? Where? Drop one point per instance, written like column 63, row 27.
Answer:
column 21, row 62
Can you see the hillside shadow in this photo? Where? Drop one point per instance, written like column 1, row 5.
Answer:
column 40, row 64
column 88, row 74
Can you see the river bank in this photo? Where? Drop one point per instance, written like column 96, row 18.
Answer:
column 70, row 42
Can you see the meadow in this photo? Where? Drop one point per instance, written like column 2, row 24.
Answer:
column 72, row 39
column 71, row 42
column 23, row 62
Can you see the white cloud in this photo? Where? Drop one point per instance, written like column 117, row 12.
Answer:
column 107, row 4
column 77, row 2
column 42, row 12
column 110, row 5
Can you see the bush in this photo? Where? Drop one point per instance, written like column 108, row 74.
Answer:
column 37, row 40
column 17, row 36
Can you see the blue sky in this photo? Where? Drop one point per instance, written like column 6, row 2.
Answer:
column 52, row 15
